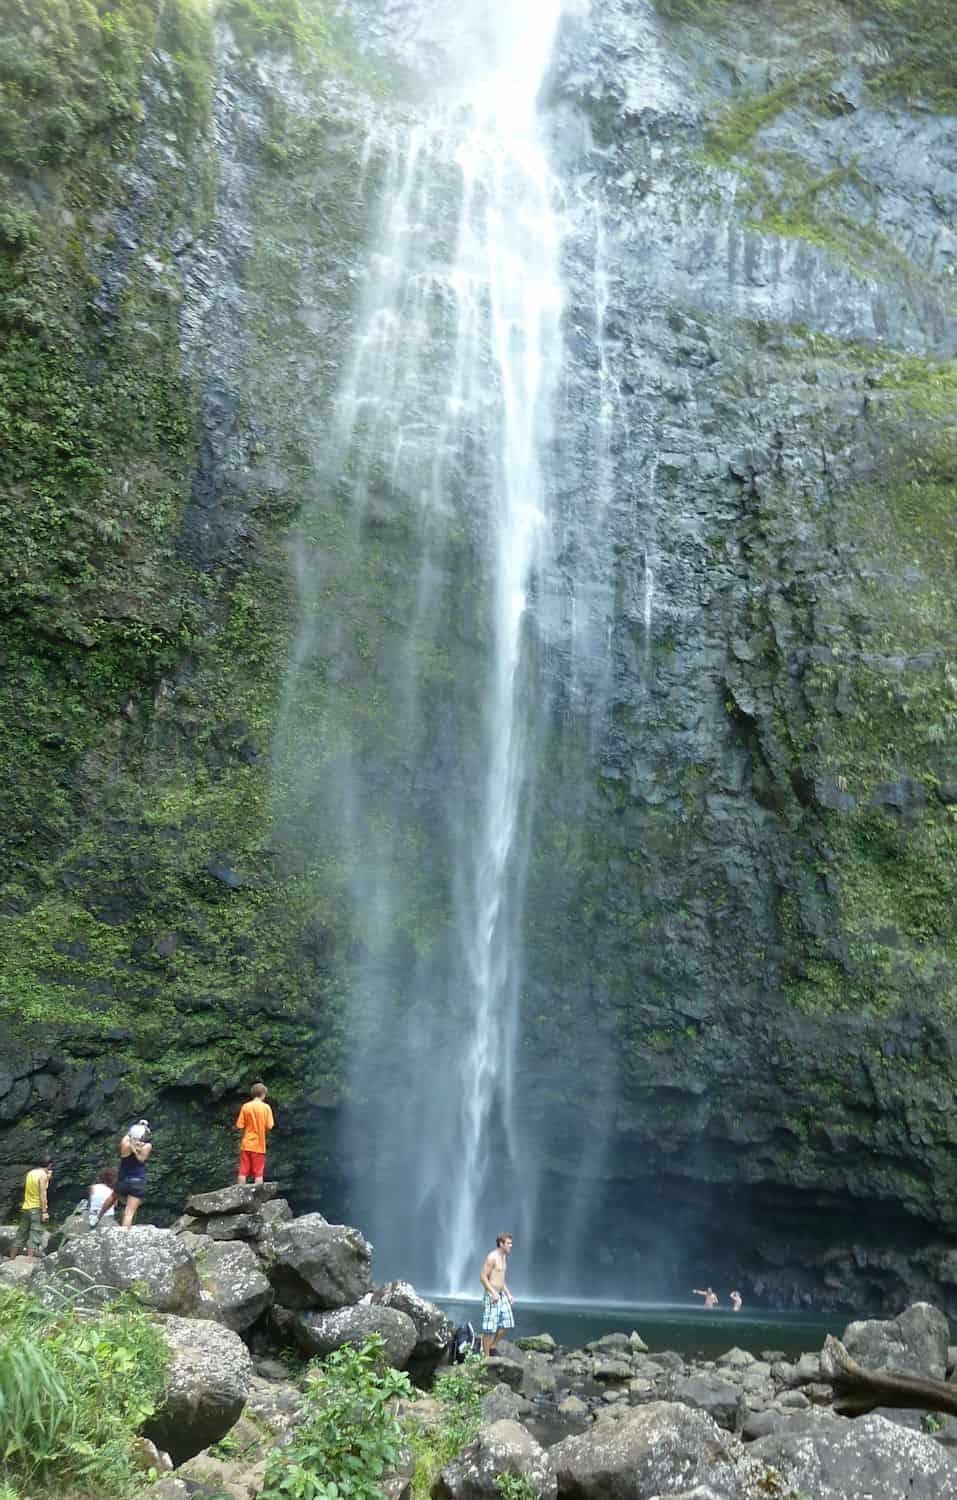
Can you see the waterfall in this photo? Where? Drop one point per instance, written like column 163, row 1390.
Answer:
column 439, row 443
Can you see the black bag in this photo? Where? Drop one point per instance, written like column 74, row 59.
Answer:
column 464, row 1341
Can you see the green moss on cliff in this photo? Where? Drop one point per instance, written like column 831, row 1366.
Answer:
column 916, row 37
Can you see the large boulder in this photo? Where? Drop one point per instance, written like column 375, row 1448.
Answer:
column 153, row 1262
column 503, row 1448
column 915, row 1343
column 234, row 1289
column 832, row 1458
column 19, row 1272
column 658, row 1449
column 238, row 1198
column 434, row 1329
column 319, row 1333
column 314, row 1264
column 708, row 1393
column 209, row 1379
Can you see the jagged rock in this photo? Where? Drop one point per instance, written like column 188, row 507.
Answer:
column 650, row 1450
column 503, row 1448
column 433, row 1328
column 637, row 1343
column 314, row 1264
column 153, row 1261
column 234, row 1289
column 322, row 1332
column 209, row 1380
column 833, row 1458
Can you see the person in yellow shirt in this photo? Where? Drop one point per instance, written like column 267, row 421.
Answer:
column 34, row 1212
column 254, row 1120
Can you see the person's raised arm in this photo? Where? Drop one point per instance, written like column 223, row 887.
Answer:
column 141, row 1149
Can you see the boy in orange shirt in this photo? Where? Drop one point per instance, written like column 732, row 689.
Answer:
column 254, row 1119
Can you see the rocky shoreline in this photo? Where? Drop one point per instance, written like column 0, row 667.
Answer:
column 239, row 1283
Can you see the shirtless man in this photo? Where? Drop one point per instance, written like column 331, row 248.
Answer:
column 710, row 1296
column 736, row 1301
column 497, row 1307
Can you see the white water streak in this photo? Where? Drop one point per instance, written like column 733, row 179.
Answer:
column 492, row 303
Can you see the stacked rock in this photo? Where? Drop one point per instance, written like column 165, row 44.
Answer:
column 236, row 1258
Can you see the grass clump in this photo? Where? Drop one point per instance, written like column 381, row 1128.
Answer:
column 74, row 1391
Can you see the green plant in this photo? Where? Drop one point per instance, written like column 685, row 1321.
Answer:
column 74, row 1389
column 515, row 1487
column 350, row 1436
column 458, row 1390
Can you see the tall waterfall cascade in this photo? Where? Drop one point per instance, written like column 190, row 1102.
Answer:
column 438, row 458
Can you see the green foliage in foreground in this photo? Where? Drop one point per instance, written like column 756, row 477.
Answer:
column 350, row 1437
column 74, row 1390
column 458, row 1391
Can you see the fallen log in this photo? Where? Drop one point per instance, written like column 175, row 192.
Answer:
column 858, row 1391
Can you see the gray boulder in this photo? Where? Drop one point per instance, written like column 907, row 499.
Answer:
column 238, row 1198
column 502, row 1404
column 209, row 1380
column 235, row 1227
column 434, row 1329
column 707, row 1393
column 314, row 1264
column 276, row 1211
column 652, row 1450
column 19, row 1272
column 607, row 1368
column 319, row 1333
column 502, row 1448
column 833, row 1458
column 153, row 1262
column 916, row 1343
column 234, row 1290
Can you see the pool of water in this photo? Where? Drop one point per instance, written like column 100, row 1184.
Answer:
column 690, row 1330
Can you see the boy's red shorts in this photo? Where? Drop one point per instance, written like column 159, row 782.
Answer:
column 252, row 1163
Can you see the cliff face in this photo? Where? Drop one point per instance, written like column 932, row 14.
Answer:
column 738, row 1015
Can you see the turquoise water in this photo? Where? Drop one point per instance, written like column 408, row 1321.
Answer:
column 690, row 1330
